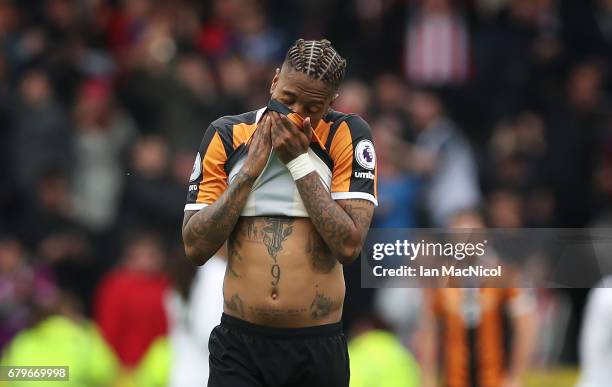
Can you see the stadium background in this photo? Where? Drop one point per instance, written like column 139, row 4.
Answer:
column 103, row 105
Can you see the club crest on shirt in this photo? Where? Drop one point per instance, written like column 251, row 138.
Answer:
column 365, row 154
column 197, row 168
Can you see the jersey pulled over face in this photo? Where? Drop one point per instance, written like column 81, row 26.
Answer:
column 341, row 151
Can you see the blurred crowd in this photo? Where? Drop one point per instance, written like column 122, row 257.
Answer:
column 496, row 105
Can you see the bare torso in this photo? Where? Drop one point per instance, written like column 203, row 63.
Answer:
column 281, row 273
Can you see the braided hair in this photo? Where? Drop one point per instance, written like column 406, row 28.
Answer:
column 317, row 59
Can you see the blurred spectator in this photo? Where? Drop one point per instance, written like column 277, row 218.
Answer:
column 233, row 76
column 194, row 308
column 518, row 153
column 41, row 135
column 505, row 210
column 553, row 311
column 47, row 228
column 194, row 305
column 378, row 358
column 215, row 37
column 154, row 368
column 193, row 104
column 64, row 338
column 66, row 251
column 390, row 95
column 401, row 305
column 143, row 92
column 472, row 320
column 129, row 300
column 23, row 289
column 469, row 325
column 575, row 128
column 50, row 210
column 354, row 97
column 596, row 338
column 398, row 189
column 540, row 208
column 517, row 149
column 103, row 135
column 515, row 57
column 444, row 158
column 259, row 43
column 178, row 102
column 437, row 45
column 127, row 25
column 150, row 183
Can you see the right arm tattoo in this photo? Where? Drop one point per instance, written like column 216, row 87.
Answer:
column 205, row 231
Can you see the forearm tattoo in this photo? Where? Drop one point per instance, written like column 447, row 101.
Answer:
column 360, row 211
column 206, row 230
column 335, row 224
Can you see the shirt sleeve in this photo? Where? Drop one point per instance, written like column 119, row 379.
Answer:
column 354, row 174
column 208, row 178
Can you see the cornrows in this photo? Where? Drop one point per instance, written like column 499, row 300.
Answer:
column 317, row 59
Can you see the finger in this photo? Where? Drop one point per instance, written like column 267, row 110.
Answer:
column 267, row 129
column 260, row 131
column 264, row 131
column 307, row 128
column 277, row 125
column 275, row 133
column 268, row 124
column 287, row 124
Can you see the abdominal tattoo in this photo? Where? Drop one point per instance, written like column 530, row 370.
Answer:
column 275, row 233
column 321, row 306
column 320, row 255
column 235, row 305
column 233, row 254
column 268, row 313
column 272, row 234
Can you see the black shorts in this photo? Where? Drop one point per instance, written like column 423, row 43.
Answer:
column 249, row 355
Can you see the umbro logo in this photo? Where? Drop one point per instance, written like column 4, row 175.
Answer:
column 364, row 175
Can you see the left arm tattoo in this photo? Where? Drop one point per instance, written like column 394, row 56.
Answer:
column 343, row 225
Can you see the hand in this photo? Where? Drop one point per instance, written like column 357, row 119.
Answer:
column 259, row 148
column 288, row 140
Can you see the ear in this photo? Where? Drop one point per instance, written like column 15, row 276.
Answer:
column 275, row 80
column 333, row 98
